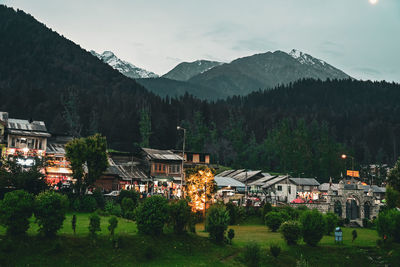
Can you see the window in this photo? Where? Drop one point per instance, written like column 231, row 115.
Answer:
column 163, row 168
column 40, row 144
column 159, row 167
column 279, row 188
column 202, row 158
column 289, row 189
column 12, row 142
column 189, row 157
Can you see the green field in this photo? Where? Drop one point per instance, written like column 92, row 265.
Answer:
column 186, row 250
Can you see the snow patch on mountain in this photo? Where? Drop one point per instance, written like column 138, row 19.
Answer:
column 304, row 58
column 126, row 68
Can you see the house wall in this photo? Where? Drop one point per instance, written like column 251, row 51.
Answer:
column 284, row 192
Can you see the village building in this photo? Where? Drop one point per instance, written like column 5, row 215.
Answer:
column 24, row 137
column 124, row 172
column 165, row 170
column 193, row 159
column 58, row 169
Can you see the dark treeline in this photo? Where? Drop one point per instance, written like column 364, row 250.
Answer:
column 300, row 128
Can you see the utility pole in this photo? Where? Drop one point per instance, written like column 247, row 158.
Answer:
column 183, row 157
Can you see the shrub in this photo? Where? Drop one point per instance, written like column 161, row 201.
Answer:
column 232, row 211
column 252, row 254
column 313, row 227
column 273, row 220
column 50, row 209
column 231, row 235
column 341, row 222
column 392, row 197
column 275, row 250
column 113, row 209
column 151, row 215
column 73, row 223
column 291, row 232
column 15, row 210
column 132, row 194
column 76, row 204
column 290, row 213
column 99, row 197
column 88, row 204
column 217, row 222
column 388, row 224
column 128, row 207
column 346, row 221
column 265, row 209
column 94, row 224
column 331, row 221
column 113, row 223
column 179, row 215
column 149, row 253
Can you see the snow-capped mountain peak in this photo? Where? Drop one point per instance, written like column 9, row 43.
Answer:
column 304, row 58
column 126, row 68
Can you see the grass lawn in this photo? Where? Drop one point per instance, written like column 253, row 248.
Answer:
column 186, row 250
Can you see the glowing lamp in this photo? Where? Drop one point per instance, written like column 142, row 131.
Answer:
column 344, row 156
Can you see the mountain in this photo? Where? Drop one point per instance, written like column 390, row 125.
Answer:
column 186, row 70
column 265, row 71
column 126, row 68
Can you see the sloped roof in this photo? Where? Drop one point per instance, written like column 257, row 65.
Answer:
column 236, row 172
column 126, row 170
column 55, row 148
column 245, row 176
column 262, row 181
column 227, row 181
column 325, row 187
column 305, row 181
column 25, row 125
column 161, row 154
column 225, row 173
column 274, row 181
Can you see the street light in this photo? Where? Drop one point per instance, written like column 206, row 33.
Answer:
column 344, row 156
column 183, row 156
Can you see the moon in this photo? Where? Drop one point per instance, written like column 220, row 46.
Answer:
column 373, row 2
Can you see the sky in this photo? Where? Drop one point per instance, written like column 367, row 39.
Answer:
column 358, row 37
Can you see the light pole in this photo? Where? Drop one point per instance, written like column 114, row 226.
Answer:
column 344, row 156
column 183, row 156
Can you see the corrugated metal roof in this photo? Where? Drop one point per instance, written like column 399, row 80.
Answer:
column 305, row 181
column 227, row 181
column 54, row 148
column 232, row 174
column 25, row 125
column 274, row 181
column 262, row 181
column 126, row 170
column 28, row 133
column 161, row 154
column 244, row 176
column 225, row 173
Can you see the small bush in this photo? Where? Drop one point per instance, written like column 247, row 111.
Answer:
column 179, row 215
column 113, row 209
column 341, row 222
column 99, row 197
column 231, row 235
column 151, row 215
column 88, row 204
column 217, row 222
column 50, row 209
column 94, row 225
column 232, row 211
column 331, row 221
column 291, row 232
column 273, row 220
column 346, row 221
column 73, row 223
column 275, row 250
column 252, row 254
column 132, row 194
column 15, row 210
column 76, row 204
column 112, row 225
column 128, row 208
column 313, row 227
column 388, row 224
column 265, row 209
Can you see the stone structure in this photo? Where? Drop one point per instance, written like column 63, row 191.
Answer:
column 352, row 202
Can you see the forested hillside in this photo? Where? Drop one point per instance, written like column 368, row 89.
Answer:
column 301, row 128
